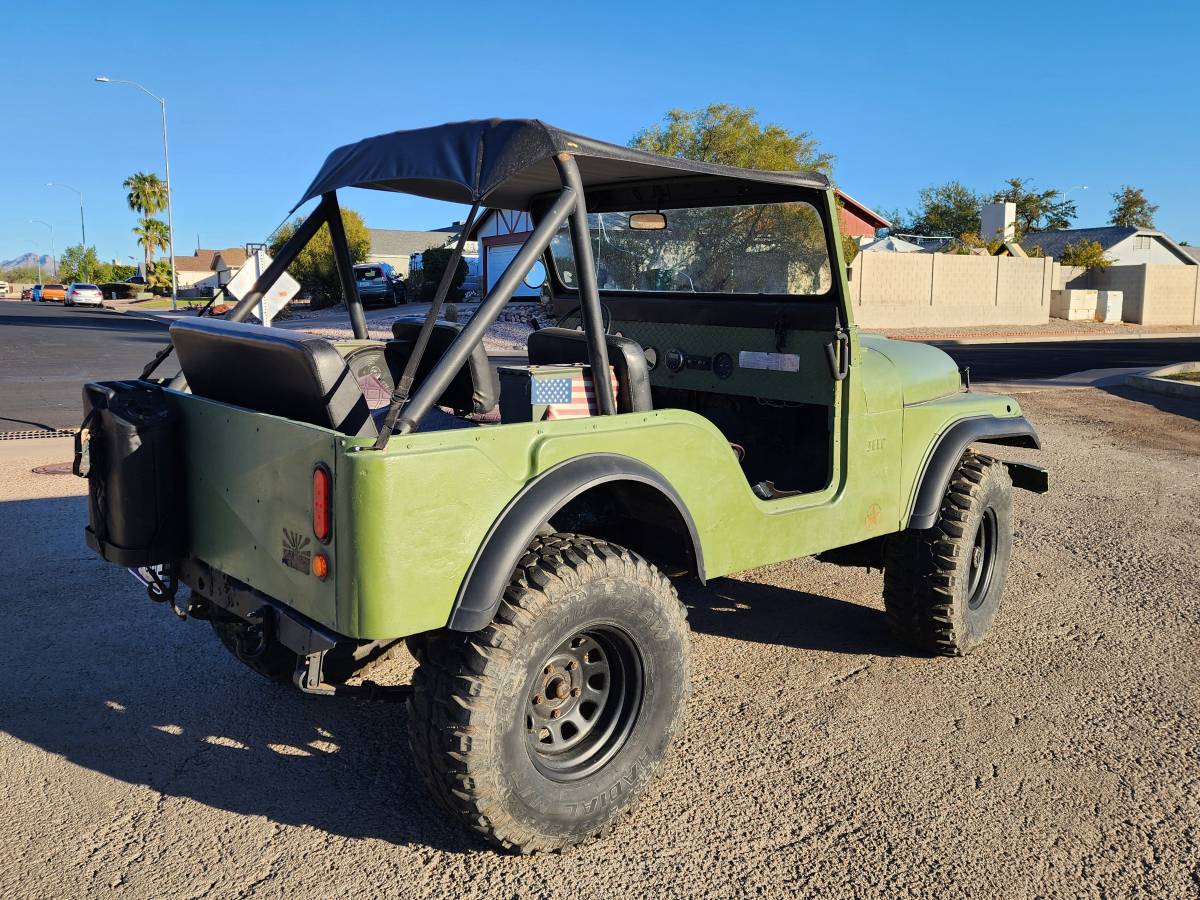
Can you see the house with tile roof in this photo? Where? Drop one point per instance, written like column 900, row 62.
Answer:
column 1124, row 245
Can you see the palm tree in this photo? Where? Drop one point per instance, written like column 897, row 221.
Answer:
column 145, row 193
column 151, row 235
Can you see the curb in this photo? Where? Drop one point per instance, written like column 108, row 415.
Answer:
column 1168, row 387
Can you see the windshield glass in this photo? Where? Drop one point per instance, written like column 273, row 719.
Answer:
column 86, row 287
column 772, row 248
column 362, row 274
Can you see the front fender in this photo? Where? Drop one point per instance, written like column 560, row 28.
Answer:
column 1015, row 432
column 515, row 528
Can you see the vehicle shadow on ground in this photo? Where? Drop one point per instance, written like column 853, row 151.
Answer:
column 1179, row 406
column 98, row 674
column 766, row 614
column 102, row 677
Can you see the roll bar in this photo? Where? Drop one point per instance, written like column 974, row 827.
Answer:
column 407, row 413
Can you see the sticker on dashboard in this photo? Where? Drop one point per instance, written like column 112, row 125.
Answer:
column 774, row 362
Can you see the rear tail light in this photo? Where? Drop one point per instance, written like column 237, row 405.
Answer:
column 322, row 503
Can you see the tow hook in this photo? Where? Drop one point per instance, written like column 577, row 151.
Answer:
column 308, row 678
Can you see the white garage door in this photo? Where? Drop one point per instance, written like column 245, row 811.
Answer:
column 498, row 259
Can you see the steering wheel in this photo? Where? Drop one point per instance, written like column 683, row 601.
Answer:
column 577, row 310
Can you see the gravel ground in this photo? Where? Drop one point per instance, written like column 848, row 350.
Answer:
column 817, row 759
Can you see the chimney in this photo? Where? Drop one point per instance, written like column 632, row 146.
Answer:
column 997, row 221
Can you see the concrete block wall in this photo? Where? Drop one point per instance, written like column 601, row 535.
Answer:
column 922, row 290
column 1171, row 295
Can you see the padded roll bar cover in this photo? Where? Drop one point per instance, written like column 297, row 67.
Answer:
column 475, row 388
column 566, row 345
column 1015, row 432
column 284, row 373
column 515, row 528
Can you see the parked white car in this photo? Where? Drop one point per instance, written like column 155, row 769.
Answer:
column 5, row 288
column 82, row 294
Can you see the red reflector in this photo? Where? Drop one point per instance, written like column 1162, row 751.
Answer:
column 322, row 503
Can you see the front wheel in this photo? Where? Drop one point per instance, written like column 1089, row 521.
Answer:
column 542, row 729
column 942, row 585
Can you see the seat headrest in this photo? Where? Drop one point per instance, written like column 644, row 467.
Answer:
column 272, row 370
column 474, row 389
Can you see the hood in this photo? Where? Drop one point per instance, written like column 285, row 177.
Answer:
column 925, row 372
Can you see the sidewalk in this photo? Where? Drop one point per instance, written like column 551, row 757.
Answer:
column 1053, row 331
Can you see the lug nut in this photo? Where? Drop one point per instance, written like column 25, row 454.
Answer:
column 556, row 714
column 572, row 665
column 575, row 692
column 537, row 698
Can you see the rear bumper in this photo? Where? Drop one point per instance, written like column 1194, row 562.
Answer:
column 297, row 632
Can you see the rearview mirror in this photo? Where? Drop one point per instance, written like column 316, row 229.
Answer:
column 648, row 221
column 536, row 276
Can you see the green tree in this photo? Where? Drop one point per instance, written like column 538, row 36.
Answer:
column 152, row 234
column 145, row 193
column 78, row 263
column 1088, row 254
column 1132, row 209
column 423, row 282
column 314, row 268
column 159, row 276
column 727, row 243
column 947, row 210
column 733, row 136
column 1036, row 210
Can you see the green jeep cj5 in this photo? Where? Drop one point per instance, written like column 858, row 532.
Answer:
column 520, row 528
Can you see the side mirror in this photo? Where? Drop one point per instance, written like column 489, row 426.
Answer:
column 648, row 222
column 536, row 276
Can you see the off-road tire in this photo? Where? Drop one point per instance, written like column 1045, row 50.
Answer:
column 931, row 599
column 471, row 732
column 278, row 663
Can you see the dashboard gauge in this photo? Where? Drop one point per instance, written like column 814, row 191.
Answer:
column 723, row 365
column 651, row 358
column 675, row 359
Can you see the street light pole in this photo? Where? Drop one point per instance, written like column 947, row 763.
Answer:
column 82, row 227
column 104, row 79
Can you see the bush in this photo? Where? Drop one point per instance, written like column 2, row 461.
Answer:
column 314, row 267
column 1088, row 254
column 423, row 282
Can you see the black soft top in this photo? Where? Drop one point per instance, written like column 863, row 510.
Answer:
column 505, row 163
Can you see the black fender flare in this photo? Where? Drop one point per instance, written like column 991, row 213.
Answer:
column 515, row 528
column 940, row 464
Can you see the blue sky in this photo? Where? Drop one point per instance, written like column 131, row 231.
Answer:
column 905, row 95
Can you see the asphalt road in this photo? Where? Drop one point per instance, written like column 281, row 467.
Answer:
column 1021, row 362
column 817, row 757
column 48, row 351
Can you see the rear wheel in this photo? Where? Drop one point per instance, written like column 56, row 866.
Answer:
column 942, row 585
column 542, row 729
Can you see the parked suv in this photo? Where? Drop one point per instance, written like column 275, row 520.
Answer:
column 81, row 293
column 377, row 283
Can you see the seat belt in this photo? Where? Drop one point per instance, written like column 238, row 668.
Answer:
column 404, row 384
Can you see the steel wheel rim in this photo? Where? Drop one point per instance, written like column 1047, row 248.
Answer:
column 583, row 703
column 983, row 559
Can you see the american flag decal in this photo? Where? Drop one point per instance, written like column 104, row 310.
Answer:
column 551, row 390
column 568, row 398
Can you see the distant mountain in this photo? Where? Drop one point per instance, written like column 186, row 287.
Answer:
column 28, row 259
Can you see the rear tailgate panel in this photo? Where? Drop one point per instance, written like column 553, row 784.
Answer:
column 249, row 497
